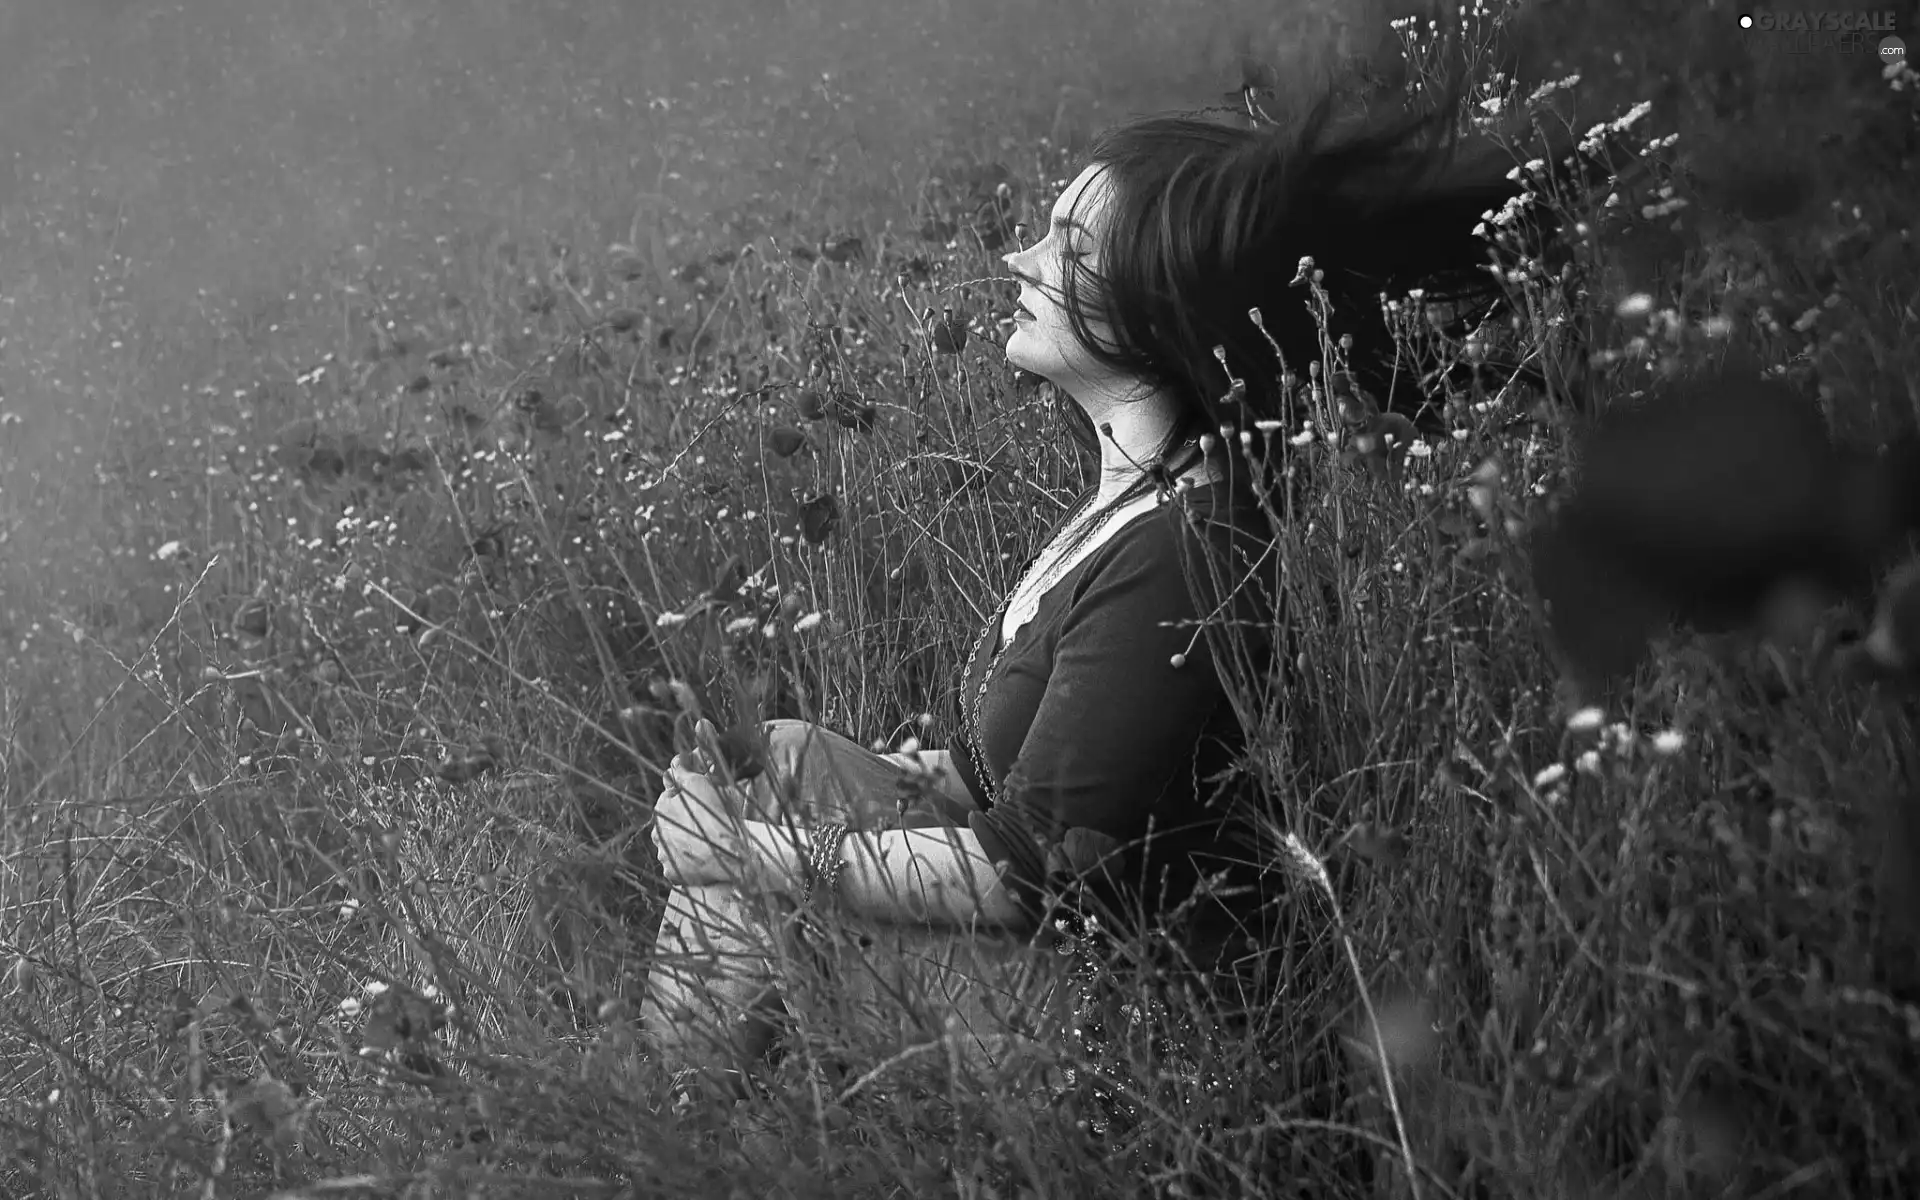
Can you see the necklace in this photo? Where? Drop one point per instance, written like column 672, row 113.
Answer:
column 974, row 745
column 1023, row 602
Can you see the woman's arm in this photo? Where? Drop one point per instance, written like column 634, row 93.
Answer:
column 904, row 876
column 939, row 763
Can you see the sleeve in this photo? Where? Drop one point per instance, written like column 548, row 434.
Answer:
column 1117, row 722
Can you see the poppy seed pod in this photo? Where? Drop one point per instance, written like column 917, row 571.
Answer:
column 950, row 334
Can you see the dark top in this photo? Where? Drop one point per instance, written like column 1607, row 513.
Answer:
column 1111, row 754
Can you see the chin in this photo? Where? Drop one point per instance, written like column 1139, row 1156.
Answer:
column 1017, row 356
column 1014, row 358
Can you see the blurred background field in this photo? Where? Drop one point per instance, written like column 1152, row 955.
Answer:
column 398, row 443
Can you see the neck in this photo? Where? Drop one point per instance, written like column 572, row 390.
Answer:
column 1138, row 422
column 1122, row 465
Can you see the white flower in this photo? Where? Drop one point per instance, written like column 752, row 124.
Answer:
column 808, row 622
column 349, row 1007
column 1637, row 305
column 1669, row 741
column 1551, row 775
column 1586, row 719
column 1632, row 115
column 168, row 551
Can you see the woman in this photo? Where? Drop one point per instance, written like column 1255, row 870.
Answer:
column 1099, row 716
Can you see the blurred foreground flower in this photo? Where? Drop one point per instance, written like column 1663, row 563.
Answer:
column 1891, row 649
column 1722, row 504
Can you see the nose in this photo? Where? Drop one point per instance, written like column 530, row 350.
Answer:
column 1020, row 235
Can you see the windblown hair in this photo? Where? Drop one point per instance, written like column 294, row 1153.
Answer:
column 1211, row 220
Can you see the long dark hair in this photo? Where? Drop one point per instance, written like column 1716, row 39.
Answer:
column 1210, row 220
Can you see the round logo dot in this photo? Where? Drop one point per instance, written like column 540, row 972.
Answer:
column 1746, row 21
column 1892, row 50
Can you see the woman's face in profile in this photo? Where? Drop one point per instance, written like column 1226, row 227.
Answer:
column 1042, row 340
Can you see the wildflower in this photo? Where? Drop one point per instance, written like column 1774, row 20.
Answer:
column 1669, row 742
column 1588, row 763
column 168, row 551
column 1483, row 491
column 1547, row 89
column 1631, row 116
column 349, row 1007
column 1548, row 776
column 808, row 622
column 1637, row 305
column 1586, row 719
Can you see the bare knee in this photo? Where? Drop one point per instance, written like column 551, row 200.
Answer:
column 777, row 790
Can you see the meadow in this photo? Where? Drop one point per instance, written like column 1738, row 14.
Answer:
column 413, row 416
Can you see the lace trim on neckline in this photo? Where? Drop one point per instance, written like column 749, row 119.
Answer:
column 1023, row 614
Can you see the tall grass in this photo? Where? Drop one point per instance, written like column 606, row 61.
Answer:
column 386, row 498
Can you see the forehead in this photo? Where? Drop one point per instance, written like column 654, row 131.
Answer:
column 1085, row 198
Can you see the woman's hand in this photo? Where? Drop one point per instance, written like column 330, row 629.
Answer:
column 695, row 828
